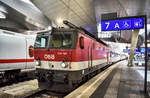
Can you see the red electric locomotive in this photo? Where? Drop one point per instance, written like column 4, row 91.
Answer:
column 68, row 55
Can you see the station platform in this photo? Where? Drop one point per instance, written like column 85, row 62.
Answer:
column 117, row 81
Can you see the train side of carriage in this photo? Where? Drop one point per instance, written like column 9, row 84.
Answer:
column 16, row 54
column 70, row 55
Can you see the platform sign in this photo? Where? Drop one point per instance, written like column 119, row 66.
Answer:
column 128, row 51
column 123, row 24
column 125, row 50
column 129, row 23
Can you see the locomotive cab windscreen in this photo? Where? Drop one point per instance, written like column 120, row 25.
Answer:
column 58, row 39
column 42, row 40
column 62, row 39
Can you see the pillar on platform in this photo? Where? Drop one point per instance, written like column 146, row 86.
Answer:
column 134, row 40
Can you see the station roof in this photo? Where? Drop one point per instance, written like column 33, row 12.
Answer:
column 27, row 15
column 87, row 13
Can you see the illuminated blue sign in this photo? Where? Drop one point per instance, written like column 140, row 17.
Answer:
column 122, row 24
column 142, row 49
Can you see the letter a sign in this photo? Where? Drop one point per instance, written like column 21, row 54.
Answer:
column 116, row 25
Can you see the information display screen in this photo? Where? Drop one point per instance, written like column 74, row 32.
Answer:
column 122, row 24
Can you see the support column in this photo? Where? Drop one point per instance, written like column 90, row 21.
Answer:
column 135, row 35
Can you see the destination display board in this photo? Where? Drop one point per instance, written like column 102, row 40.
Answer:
column 122, row 24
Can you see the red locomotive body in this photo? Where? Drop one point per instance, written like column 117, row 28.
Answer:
column 69, row 56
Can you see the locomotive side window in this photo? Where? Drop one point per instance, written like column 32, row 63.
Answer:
column 41, row 41
column 81, row 42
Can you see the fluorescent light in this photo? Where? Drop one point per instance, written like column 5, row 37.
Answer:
column 2, row 15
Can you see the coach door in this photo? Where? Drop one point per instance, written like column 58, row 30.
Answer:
column 29, row 53
column 90, row 57
column 108, row 57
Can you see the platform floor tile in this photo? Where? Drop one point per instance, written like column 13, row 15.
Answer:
column 122, row 82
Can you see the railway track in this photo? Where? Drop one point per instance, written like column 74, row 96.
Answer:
column 14, row 82
column 43, row 93
column 20, row 78
column 17, row 89
column 28, row 89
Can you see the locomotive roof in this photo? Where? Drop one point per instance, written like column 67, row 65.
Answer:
column 82, row 30
column 93, row 36
column 64, row 29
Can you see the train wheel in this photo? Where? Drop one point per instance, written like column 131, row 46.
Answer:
column 50, row 83
column 49, row 79
column 4, row 80
column 11, row 77
column 70, row 84
column 66, row 81
column 85, row 78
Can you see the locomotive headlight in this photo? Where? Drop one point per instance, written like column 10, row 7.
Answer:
column 63, row 65
column 37, row 63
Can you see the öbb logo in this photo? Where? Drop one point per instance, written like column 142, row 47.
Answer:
column 49, row 56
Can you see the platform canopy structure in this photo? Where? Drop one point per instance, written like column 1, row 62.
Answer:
column 18, row 15
column 87, row 13
column 37, row 14
column 79, row 12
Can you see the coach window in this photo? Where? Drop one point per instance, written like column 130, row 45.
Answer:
column 103, row 49
column 93, row 45
column 82, row 42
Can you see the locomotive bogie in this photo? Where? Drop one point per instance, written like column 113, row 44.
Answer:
column 47, row 77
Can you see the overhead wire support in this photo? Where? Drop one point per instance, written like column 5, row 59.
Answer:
column 70, row 25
